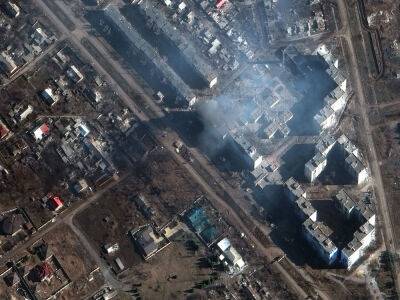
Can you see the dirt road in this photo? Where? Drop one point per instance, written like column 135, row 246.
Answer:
column 347, row 12
column 75, row 37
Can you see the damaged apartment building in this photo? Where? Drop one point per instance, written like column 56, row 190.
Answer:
column 320, row 236
column 182, row 89
column 335, row 102
column 199, row 63
column 315, row 232
column 193, row 21
column 293, row 20
column 266, row 119
column 364, row 214
column 188, row 51
column 350, row 156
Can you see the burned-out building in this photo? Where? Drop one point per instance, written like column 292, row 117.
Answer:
column 189, row 52
column 134, row 37
column 148, row 241
column 254, row 125
column 245, row 151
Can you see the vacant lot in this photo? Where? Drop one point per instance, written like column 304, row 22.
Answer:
column 164, row 185
column 175, row 272
column 75, row 261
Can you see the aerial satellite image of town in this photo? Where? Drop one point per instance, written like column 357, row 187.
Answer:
column 199, row 149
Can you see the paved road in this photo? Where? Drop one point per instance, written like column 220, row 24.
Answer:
column 346, row 13
column 165, row 140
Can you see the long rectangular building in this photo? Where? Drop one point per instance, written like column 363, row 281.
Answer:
column 191, row 55
column 135, row 38
column 318, row 235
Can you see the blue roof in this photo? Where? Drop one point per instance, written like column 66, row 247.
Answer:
column 198, row 219
column 209, row 234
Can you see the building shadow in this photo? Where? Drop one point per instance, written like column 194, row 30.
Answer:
column 294, row 160
column 133, row 59
column 343, row 229
column 335, row 172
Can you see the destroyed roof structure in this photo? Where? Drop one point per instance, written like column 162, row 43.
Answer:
column 247, row 152
column 4, row 131
column 146, row 241
column 336, row 101
column 265, row 175
column 49, row 96
column 135, row 38
column 345, row 203
column 191, row 54
column 325, row 118
column 74, row 74
column 315, row 166
column 365, row 234
column 20, row 112
column 318, row 235
column 356, row 168
column 11, row 224
column 295, row 61
column 305, row 210
column 41, row 272
column 12, row 9
column 352, row 160
column 294, row 190
column 198, row 219
column 258, row 121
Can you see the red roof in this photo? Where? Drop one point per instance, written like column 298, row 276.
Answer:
column 3, row 130
column 44, row 270
column 56, row 202
column 45, row 128
column 220, row 3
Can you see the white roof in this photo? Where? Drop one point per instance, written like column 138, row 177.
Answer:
column 38, row 133
column 74, row 72
column 84, row 130
column 224, row 244
column 182, row 6
column 48, row 93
